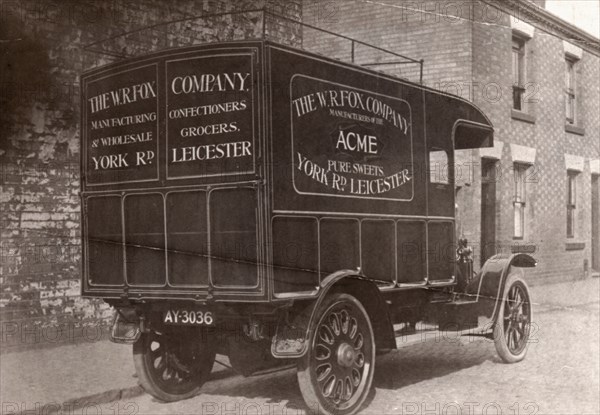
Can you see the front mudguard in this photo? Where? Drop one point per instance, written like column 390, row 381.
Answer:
column 487, row 287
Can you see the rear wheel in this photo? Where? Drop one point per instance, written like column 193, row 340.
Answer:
column 511, row 332
column 336, row 373
column 172, row 366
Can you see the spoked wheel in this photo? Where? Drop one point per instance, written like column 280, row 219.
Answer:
column 172, row 366
column 511, row 332
column 336, row 373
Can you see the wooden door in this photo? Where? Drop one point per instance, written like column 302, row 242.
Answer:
column 488, row 209
column 595, row 223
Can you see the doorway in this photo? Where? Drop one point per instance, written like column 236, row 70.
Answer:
column 488, row 209
column 595, row 224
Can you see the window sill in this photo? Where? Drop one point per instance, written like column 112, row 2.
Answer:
column 522, row 116
column 574, row 246
column 570, row 128
column 523, row 248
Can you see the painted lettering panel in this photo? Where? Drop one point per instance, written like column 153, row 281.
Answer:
column 210, row 108
column 184, row 114
column 121, row 126
column 348, row 142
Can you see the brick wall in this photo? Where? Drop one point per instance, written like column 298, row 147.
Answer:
column 425, row 30
column 41, row 58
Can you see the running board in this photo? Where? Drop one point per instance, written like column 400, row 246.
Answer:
column 430, row 334
column 416, row 337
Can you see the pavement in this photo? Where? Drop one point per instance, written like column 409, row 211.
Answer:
column 95, row 373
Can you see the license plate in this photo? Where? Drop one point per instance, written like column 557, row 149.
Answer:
column 189, row 317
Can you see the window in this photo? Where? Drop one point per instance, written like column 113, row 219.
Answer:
column 570, row 90
column 571, row 202
column 518, row 67
column 439, row 167
column 520, row 192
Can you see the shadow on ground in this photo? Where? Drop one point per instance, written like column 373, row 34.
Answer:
column 394, row 371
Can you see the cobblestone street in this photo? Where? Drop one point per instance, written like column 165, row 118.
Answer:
column 560, row 375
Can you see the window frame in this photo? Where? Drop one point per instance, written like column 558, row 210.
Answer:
column 570, row 90
column 519, row 199
column 571, row 206
column 518, row 72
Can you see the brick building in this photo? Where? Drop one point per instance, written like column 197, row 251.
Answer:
column 45, row 46
column 537, row 78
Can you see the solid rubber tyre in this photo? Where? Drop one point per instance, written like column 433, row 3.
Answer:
column 513, row 324
column 336, row 373
column 173, row 366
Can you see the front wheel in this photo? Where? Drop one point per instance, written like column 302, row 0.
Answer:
column 172, row 366
column 513, row 325
column 336, row 373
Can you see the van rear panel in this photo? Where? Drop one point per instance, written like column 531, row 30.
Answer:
column 171, row 145
column 163, row 240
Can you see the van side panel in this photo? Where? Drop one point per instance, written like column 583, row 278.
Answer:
column 343, row 140
column 347, row 172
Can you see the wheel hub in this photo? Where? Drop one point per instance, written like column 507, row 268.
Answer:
column 345, row 355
